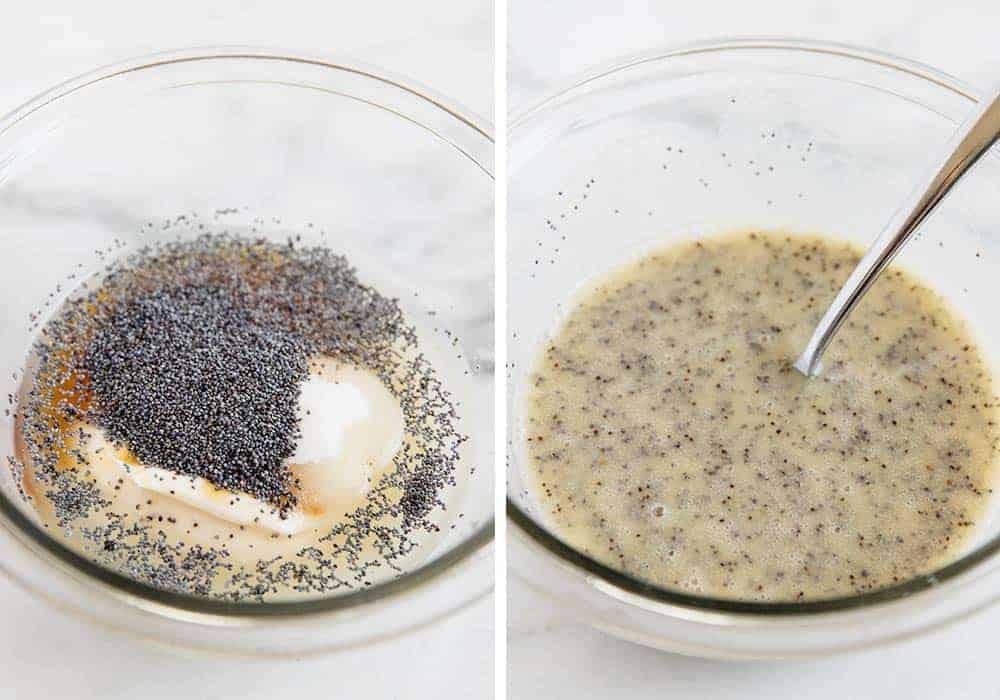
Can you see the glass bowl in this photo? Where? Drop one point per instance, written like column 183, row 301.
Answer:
column 769, row 134
column 271, row 144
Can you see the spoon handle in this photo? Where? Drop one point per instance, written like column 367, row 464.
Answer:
column 968, row 144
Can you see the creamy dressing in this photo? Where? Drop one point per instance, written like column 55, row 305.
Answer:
column 670, row 438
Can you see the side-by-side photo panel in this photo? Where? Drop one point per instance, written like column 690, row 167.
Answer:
column 248, row 350
column 752, row 407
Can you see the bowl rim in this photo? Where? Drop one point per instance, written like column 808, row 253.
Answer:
column 742, row 43
column 551, row 544
column 65, row 561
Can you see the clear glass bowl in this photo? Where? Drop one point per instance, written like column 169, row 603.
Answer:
column 772, row 134
column 266, row 143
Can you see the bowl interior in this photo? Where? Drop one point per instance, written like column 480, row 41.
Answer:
column 266, row 145
column 733, row 137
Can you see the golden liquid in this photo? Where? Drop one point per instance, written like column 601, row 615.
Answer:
column 349, row 543
column 96, row 461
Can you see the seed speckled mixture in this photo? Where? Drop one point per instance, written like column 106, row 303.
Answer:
column 190, row 356
column 669, row 436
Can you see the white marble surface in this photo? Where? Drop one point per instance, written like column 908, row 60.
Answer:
column 48, row 654
column 553, row 41
column 550, row 655
column 446, row 44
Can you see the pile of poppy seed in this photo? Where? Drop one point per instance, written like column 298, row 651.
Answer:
column 193, row 383
column 191, row 355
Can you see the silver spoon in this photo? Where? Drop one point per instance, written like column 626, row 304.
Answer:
column 968, row 144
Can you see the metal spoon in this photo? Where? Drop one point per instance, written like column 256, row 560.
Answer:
column 968, row 144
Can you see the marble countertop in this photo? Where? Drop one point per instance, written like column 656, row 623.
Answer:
column 551, row 42
column 49, row 654
column 550, row 655
column 553, row 657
